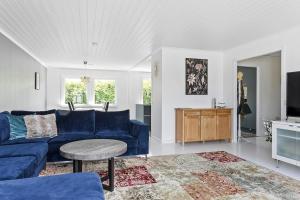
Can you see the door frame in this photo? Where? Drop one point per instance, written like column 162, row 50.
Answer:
column 283, row 83
column 257, row 96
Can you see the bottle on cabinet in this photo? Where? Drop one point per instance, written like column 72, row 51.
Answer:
column 214, row 103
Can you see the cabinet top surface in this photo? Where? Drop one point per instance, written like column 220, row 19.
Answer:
column 203, row 108
column 286, row 122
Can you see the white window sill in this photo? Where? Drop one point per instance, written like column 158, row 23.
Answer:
column 91, row 106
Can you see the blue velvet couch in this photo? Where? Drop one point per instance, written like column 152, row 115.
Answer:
column 78, row 125
column 81, row 186
column 22, row 158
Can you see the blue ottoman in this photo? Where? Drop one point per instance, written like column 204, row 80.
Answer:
column 16, row 167
column 79, row 186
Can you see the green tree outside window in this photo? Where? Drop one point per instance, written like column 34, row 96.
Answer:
column 105, row 91
column 147, row 92
column 75, row 91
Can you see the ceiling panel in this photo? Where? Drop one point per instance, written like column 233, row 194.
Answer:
column 61, row 33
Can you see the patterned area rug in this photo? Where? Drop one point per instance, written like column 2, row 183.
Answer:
column 209, row 175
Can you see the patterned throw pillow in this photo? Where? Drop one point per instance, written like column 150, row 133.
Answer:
column 41, row 126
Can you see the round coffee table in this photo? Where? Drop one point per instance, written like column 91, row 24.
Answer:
column 92, row 150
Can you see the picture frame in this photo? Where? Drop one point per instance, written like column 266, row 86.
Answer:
column 196, row 76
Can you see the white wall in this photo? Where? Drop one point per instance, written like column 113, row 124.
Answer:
column 128, row 86
column 171, row 81
column 17, row 70
column 287, row 41
column 156, row 106
column 135, row 90
column 269, row 98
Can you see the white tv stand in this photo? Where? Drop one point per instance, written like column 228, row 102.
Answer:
column 286, row 142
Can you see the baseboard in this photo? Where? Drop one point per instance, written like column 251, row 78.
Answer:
column 156, row 139
column 170, row 141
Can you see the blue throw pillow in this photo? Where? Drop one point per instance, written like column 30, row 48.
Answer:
column 17, row 127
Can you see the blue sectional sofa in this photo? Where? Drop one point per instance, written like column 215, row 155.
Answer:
column 22, row 158
column 81, row 186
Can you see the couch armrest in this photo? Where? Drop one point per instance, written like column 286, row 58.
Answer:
column 140, row 131
column 4, row 128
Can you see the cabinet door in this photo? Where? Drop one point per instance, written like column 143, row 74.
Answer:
column 287, row 143
column 192, row 127
column 223, row 126
column 208, row 127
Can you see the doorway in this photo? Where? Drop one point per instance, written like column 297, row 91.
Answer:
column 261, row 94
column 248, row 111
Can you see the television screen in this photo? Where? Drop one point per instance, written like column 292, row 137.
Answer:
column 293, row 94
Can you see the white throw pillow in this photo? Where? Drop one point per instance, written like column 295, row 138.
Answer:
column 40, row 126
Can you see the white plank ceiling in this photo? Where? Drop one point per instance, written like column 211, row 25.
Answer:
column 60, row 33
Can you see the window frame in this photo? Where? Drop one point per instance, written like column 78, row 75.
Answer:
column 63, row 99
column 93, row 91
column 90, row 92
column 142, row 91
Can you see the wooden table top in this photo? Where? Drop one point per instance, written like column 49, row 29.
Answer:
column 94, row 149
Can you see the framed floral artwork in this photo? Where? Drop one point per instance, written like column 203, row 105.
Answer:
column 196, row 76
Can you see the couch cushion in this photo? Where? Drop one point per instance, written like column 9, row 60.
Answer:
column 37, row 150
column 16, row 167
column 23, row 112
column 69, row 137
column 118, row 135
column 67, row 186
column 75, row 121
column 4, row 128
column 39, row 126
column 25, row 140
column 113, row 134
column 17, row 126
column 61, row 139
column 118, row 120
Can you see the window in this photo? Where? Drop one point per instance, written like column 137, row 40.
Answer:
column 105, row 91
column 75, row 91
column 92, row 93
column 147, row 91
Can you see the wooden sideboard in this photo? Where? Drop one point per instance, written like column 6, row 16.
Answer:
column 193, row 124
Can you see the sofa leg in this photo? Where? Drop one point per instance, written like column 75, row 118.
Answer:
column 146, row 157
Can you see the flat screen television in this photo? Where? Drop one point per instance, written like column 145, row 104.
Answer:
column 293, row 94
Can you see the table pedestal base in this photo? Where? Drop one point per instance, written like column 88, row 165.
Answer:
column 110, row 176
column 77, row 167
